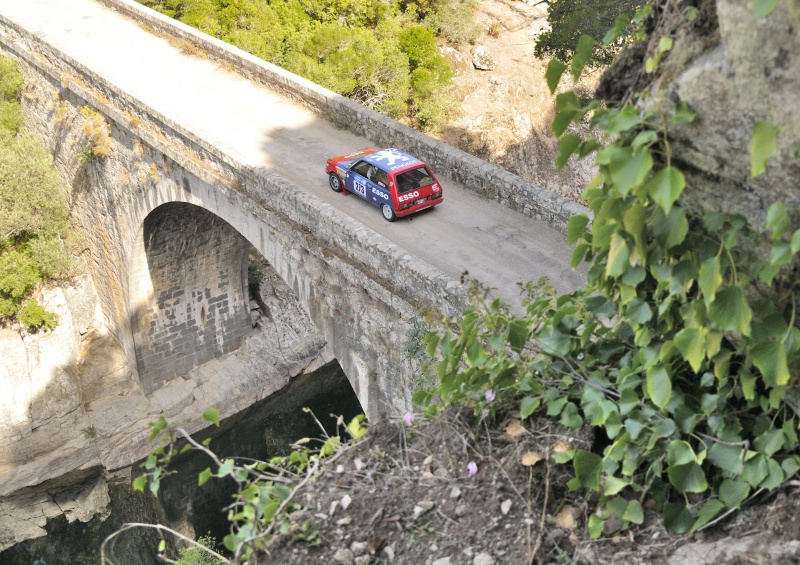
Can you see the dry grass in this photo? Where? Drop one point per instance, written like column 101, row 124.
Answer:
column 97, row 131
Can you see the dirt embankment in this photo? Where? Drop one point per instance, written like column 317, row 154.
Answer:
column 506, row 111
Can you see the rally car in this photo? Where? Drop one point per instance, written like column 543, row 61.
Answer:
column 396, row 182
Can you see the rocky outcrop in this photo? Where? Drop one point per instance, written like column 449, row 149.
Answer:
column 734, row 70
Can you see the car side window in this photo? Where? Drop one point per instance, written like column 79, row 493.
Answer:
column 381, row 178
column 363, row 168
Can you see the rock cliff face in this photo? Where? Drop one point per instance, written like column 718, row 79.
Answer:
column 72, row 407
column 734, row 70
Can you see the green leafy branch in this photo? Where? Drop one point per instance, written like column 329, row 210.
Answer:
column 264, row 489
column 682, row 349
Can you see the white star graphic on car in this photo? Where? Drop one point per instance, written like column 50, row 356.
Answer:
column 390, row 155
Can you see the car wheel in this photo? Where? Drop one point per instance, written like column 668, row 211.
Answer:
column 388, row 213
column 336, row 184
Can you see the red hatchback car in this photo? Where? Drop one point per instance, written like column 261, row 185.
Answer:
column 396, row 182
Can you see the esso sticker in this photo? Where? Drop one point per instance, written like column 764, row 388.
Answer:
column 380, row 193
column 409, row 196
column 435, row 187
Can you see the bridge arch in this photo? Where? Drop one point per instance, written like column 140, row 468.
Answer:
column 188, row 292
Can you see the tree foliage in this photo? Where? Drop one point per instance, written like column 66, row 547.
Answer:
column 569, row 19
column 353, row 47
column 33, row 211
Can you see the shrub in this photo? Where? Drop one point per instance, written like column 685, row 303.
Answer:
column 10, row 79
column 353, row 47
column 451, row 20
column 33, row 212
column 10, row 116
column 34, row 317
column 569, row 19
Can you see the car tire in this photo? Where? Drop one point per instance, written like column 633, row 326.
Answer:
column 334, row 182
column 388, row 213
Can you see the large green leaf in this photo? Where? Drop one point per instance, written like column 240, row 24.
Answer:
column 770, row 358
column 212, row 415
column 778, row 220
column 691, row 344
column 707, row 513
column 678, row 227
column 638, row 311
column 763, row 8
column 763, row 144
column 587, row 468
column 733, row 492
column 583, row 52
column 679, row 452
column 677, row 517
column 554, row 342
column 770, row 442
column 665, row 187
column 688, row 477
column 709, row 278
column 624, row 119
column 566, row 147
column 634, row 512
column 659, row 385
column 576, row 227
column 618, row 254
column 731, row 310
column 552, row 75
column 630, row 170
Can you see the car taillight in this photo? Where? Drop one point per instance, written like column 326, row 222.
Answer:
column 406, row 205
column 435, row 195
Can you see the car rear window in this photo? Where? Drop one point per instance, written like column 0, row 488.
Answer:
column 414, row 179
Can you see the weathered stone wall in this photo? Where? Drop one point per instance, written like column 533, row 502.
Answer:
column 476, row 174
column 198, row 265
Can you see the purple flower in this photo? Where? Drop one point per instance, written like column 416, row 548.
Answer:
column 408, row 418
column 472, row 468
column 489, row 394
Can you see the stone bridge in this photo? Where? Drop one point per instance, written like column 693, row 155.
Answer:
column 170, row 213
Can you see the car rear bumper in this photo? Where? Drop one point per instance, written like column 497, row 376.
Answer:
column 419, row 207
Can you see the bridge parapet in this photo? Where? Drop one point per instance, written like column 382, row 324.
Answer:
column 476, row 174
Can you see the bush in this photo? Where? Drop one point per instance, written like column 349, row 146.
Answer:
column 357, row 48
column 10, row 79
column 97, row 131
column 33, row 212
column 32, row 199
column 451, row 20
column 19, row 275
column 569, row 19
column 10, row 116
column 34, row 317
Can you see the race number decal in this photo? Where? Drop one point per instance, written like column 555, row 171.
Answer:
column 360, row 187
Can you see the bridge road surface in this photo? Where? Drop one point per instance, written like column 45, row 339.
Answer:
column 258, row 127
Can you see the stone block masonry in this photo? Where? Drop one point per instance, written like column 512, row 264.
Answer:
column 199, row 263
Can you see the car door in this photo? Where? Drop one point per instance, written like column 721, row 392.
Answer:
column 379, row 188
column 357, row 180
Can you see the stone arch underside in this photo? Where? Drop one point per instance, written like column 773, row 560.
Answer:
column 189, row 292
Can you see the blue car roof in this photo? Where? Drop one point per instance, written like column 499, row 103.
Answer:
column 389, row 159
